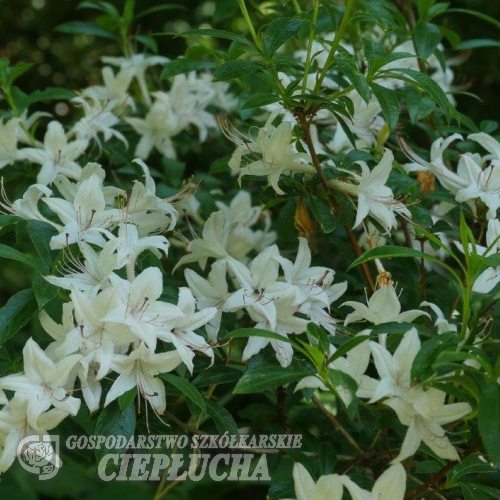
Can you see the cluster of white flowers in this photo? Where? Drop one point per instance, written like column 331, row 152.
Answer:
column 106, row 110
column 116, row 325
column 112, row 323
column 423, row 411
column 476, row 182
column 272, row 299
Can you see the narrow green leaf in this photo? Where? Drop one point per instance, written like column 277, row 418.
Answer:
column 82, row 28
column 216, row 34
column 223, row 420
column 235, row 69
column 114, row 422
column 181, row 66
column 41, row 233
column 259, row 100
column 19, row 309
column 44, row 291
column 280, row 31
column 489, row 421
column 388, row 102
column 390, row 252
column 255, row 332
column 13, row 254
column 267, row 377
column 187, row 388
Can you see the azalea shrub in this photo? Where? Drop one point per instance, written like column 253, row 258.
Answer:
column 290, row 229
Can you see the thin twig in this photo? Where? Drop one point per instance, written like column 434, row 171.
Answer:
column 337, row 425
column 304, row 125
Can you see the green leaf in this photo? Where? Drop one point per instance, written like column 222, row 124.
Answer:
column 323, row 213
column 265, row 377
column 216, row 375
column 187, row 388
column 280, row 31
column 235, row 69
column 220, row 165
column 390, row 252
column 425, row 358
column 318, row 338
column 216, row 34
column 114, row 422
column 8, row 220
column 81, row 28
column 13, row 254
column 126, row 399
column 427, row 37
column 348, row 346
column 44, row 291
column 255, row 332
column 428, row 85
column 474, row 13
column 388, row 102
column 223, row 420
column 159, row 8
column 259, row 100
column 41, row 233
column 18, row 310
column 489, row 421
column 477, row 44
column 50, row 94
column 181, row 66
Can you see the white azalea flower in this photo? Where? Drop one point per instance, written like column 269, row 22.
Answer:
column 115, row 88
column 27, row 206
column 271, row 154
column 424, row 412
column 135, row 312
column 143, row 198
column 138, row 64
column 441, row 323
column 287, row 321
column 258, row 286
column 189, row 96
column 86, row 219
column 8, row 141
column 14, row 427
column 92, row 274
column 425, row 416
column 129, row 245
column 354, row 364
column 179, row 328
column 58, row 156
column 327, row 487
column 42, row 383
column 365, row 125
column 156, row 129
column 391, row 485
column 383, row 307
column 311, row 283
column 90, row 339
column 212, row 292
column 98, row 119
column 140, row 369
column 374, row 197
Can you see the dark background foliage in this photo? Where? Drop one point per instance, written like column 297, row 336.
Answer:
column 27, row 33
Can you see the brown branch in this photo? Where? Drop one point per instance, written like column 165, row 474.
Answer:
column 406, row 9
column 438, row 476
column 304, row 125
column 337, row 425
column 280, row 404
